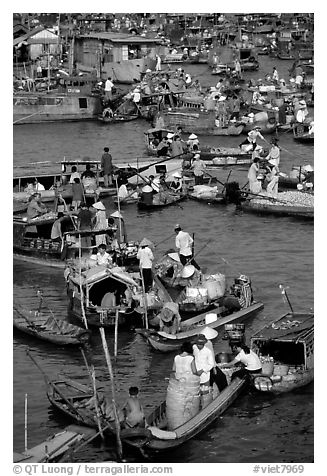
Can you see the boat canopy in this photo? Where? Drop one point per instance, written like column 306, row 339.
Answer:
column 290, row 327
column 98, row 273
column 157, row 129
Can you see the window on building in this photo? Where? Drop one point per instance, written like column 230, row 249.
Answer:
column 82, row 103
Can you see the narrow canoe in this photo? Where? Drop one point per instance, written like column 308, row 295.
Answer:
column 161, row 440
column 194, row 326
column 269, row 208
column 169, row 200
column 45, row 326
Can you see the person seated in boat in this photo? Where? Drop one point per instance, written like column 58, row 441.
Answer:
column 74, row 174
column 169, row 318
column 35, row 207
column 29, row 188
column 192, row 141
column 184, row 363
column 176, row 185
column 88, row 173
column 311, row 128
column 133, row 410
column 154, row 183
column 241, row 295
column 250, row 361
column 163, row 147
column 254, row 184
column 102, row 257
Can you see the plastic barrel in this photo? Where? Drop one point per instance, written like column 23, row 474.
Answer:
column 268, row 368
column 182, row 401
column 215, row 285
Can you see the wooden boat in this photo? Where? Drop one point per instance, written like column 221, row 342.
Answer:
column 266, row 127
column 194, row 326
column 301, row 133
column 69, row 397
column 271, row 206
column 289, row 342
column 42, row 324
column 197, row 122
column 19, row 206
column 225, row 156
column 160, row 439
column 161, row 200
column 56, row 446
column 73, row 100
column 32, row 239
column 101, row 285
column 108, row 119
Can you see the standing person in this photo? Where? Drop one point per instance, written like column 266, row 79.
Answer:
column 84, row 220
column 145, row 257
column 254, row 183
column 274, row 152
column 204, row 361
column 78, row 193
column 106, row 167
column 184, row 244
column 238, row 69
column 158, row 63
column 216, row 375
column 100, row 222
column 275, row 75
column 176, row 146
column 176, row 185
column 249, row 359
column 253, row 136
column 184, row 363
column 272, row 187
column 199, row 168
column 56, row 231
column 74, row 174
column 236, row 108
column 102, row 257
column 108, row 89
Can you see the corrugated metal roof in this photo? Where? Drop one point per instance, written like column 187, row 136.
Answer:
column 29, row 35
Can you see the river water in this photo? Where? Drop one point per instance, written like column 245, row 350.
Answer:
column 271, row 250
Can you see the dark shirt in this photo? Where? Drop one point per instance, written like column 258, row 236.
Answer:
column 85, row 219
column 77, row 192
column 106, row 163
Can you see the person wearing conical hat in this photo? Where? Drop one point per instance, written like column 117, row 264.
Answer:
column 145, row 257
column 192, row 141
column 100, row 222
column 169, row 318
column 274, row 153
column 176, row 184
column 216, row 375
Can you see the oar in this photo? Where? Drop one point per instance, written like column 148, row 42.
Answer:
column 212, row 176
column 284, row 293
column 227, row 180
column 165, row 239
column 196, row 254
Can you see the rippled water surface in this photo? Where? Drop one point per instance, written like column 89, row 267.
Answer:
column 257, row 428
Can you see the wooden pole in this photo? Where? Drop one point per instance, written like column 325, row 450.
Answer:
column 145, row 304
column 91, row 373
column 284, row 293
column 80, row 280
column 116, row 333
column 25, row 428
column 117, row 423
column 118, row 206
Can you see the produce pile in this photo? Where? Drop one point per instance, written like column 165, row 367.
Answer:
column 289, row 198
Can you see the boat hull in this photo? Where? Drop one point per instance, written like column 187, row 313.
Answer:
column 278, row 210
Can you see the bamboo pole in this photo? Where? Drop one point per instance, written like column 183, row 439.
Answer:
column 25, row 426
column 80, row 280
column 91, row 373
column 116, row 333
column 118, row 206
column 145, row 304
column 107, row 355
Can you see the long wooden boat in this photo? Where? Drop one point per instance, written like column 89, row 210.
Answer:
column 56, row 446
column 161, row 200
column 197, row 122
column 161, row 440
column 117, row 118
column 69, row 397
column 266, row 127
column 269, row 207
column 289, row 343
column 192, row 327
column 73, row 100
column 43, row 325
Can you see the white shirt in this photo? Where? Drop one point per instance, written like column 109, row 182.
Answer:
column 39, row 187
column 301, row 115
column 108, row 85
column 253, row 135
column 251, row 360
column 73, row 176
column 103, row 259
column 183, row 243
column 203, row 361
column 136, row 97
column 145, row 256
